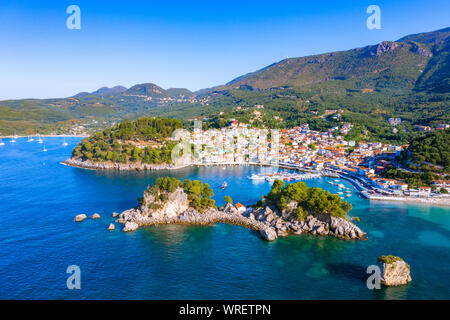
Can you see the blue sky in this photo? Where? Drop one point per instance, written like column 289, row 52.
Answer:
column 192, row 44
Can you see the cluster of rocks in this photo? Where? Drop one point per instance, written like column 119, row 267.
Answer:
column 270, row 223
column 82, row 217
column 96, row 216
column 284, row 223
column 382, row 47
column 419, row 50
column 88, row 164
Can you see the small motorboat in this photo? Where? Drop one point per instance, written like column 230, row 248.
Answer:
column 224, row 185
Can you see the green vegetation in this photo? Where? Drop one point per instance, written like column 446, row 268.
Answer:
column 199, row 194
column 308, row 200
column 141, row 141
column 228, row 199
column 430, row 152
column 413, row 179
column 390, row 259
column 371, row 84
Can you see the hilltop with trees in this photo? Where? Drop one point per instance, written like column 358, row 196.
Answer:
column 146, row 140
column 430, row 152
column 199, row 194
column 302, row 201
column 407, row 79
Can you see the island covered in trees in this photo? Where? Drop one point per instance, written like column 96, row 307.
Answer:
column 291, row 209
column 143, row 141
column 301, row 201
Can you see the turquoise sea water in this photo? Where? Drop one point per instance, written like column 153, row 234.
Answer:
column 39, row 198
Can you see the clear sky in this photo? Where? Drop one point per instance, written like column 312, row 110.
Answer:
column 192, row 44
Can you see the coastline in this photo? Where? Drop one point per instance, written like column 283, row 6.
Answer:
column 437, row 202
column 91, row 165
column 269, row 222
column 47, row 136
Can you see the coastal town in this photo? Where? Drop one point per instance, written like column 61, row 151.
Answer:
column 314, row 153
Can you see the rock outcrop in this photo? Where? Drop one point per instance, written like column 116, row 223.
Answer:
column 284, row 224
column 382, row 47
column 95, row 216
column 394, row 271
column 269, row 222
column 88, row 164
column 111, row 227
column 268, row 234
column 80, row 217
column 130, row 226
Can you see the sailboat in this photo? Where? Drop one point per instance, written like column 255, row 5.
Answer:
column 30, row 139
column 1, row 143
column 65, row 143
column 13, row 140
column 39, row 139
column 45, row 149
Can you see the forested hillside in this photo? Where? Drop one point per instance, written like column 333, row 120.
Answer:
column 144, row 140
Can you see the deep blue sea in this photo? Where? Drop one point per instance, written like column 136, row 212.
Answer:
column 39, row 239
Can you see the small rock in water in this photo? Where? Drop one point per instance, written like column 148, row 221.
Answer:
column 115, row 214
column 394, row 271
column 111, row 227
column 80, row 217
column 95, row 216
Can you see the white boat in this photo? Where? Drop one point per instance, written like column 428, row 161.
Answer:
column 224, row 185
column 257, row 177
column 12, row 140
column 15, row 135
column 30, row 139
column 65, row 143
column 1, row 143
column 45, row 149
column 39, row 139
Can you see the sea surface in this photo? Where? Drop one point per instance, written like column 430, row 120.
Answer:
column 39, row 239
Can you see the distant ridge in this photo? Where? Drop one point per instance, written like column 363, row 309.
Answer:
column 419, row 62
column 104, row 91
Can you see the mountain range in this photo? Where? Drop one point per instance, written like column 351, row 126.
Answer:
column 409, row 77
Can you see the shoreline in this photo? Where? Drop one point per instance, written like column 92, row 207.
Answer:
column 435, row 202
column 270, row 224
column 90, row 165
column 47, row 136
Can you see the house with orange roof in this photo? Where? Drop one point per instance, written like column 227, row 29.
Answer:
column 240, row 207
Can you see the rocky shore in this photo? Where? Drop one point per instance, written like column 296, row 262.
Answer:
column 270, row 223
column 93, row 165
